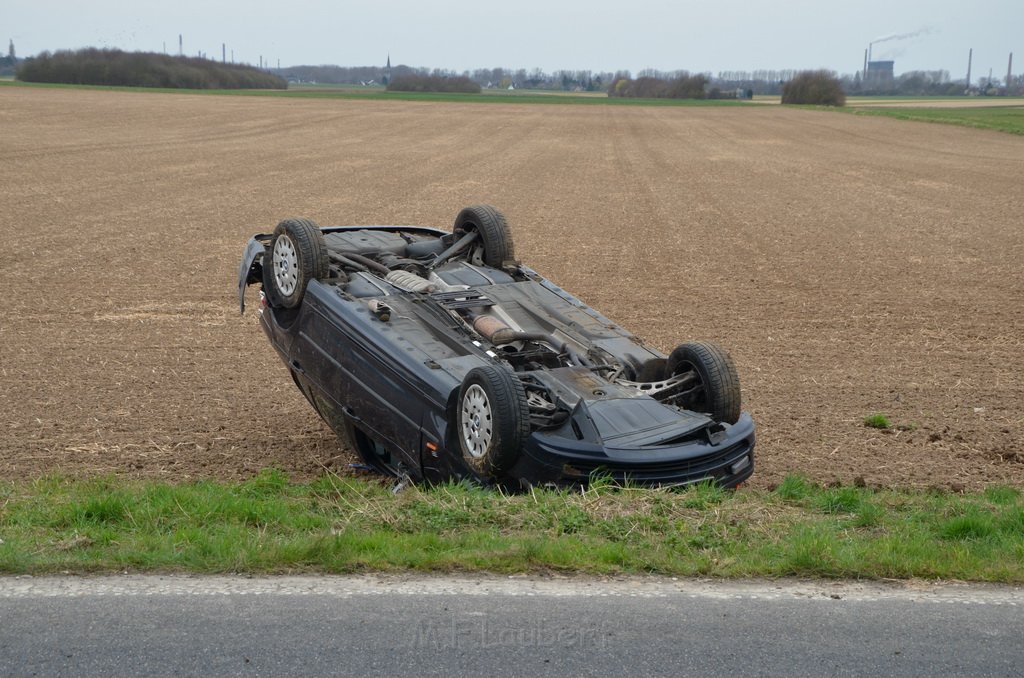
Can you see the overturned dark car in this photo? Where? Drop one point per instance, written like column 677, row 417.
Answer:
column 439, row 356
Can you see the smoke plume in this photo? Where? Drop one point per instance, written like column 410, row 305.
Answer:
column 902, row 36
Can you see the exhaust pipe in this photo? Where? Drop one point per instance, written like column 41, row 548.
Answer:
column 498, row 333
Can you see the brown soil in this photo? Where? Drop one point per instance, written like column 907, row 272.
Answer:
column 852, row 265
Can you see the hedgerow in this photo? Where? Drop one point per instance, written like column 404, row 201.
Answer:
column 433, row 83
column 821, row 88
column 112, row 67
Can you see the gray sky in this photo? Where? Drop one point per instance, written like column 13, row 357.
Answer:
column 547, row 34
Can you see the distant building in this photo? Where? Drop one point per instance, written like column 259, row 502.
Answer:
column 879, row 75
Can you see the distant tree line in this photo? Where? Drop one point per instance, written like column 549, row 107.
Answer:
column 433, row 83
column 93, row 66
column 114, row 67
column 491, row 78
column 565, row 80
column 911, row 83
column 340, row 75
column 758, row 82
column 682, row 86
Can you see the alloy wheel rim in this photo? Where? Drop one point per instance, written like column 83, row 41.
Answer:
column 286, row 265
column 477, row 424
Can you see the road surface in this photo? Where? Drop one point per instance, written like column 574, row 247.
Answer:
column 497, row 626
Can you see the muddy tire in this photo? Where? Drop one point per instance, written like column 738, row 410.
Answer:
column 495, row 236
column 717, row 393
column 297, row 254
column 492, row 420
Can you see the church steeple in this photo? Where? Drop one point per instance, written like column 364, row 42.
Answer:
column 387, row 71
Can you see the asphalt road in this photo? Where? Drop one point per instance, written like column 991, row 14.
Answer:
column 146, row 625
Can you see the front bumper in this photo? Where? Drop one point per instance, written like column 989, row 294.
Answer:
column 725, row 459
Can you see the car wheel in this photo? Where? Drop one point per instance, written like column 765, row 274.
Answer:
column 297, row 254
column 495, row 237
column 717, row 393
column 492, row 420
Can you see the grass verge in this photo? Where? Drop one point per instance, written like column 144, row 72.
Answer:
column 271, row 525
column 1001, row 118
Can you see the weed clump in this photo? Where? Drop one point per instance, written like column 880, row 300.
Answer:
column 879, row 421
column 795, row 488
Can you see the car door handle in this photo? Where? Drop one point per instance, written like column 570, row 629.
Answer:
column 351, row 414
column 296, row 366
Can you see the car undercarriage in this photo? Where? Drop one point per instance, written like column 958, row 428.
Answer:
column 509, row 378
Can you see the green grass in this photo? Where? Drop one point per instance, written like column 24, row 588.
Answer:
column 877, row 421
column 882, row 422
column 896, row 98
column 272, row 525
column 1002, row 118
column 379, row 94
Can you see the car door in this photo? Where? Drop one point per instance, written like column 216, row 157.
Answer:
column 339, row 353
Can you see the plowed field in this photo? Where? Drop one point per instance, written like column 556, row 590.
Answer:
column 852, row 265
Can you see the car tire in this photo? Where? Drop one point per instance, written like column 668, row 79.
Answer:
column 297, row 254
column 718, row 391
column 492, row 420
column 495, row 236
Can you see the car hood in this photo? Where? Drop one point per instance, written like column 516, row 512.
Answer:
column 618, row 417
column 639, row 422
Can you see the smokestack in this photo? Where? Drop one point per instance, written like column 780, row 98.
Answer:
column 1009, row 72
column 180, row 44
column 223, row 53
column 970, row 57
column 865, row 74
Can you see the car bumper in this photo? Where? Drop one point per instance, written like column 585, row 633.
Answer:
column 726, row 460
